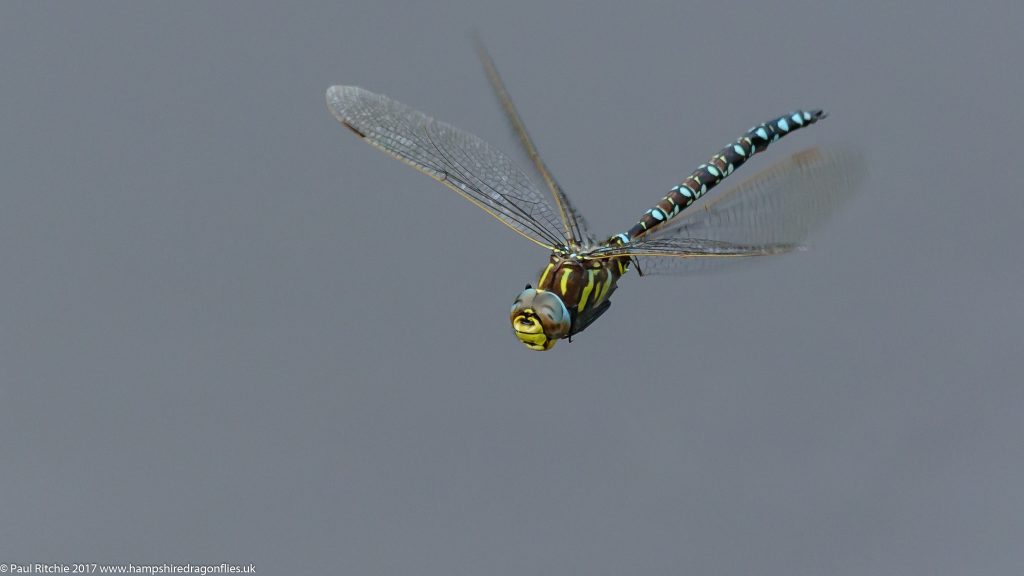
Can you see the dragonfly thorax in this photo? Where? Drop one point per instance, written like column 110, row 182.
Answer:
column 572, row 291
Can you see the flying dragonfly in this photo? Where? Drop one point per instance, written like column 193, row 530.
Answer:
column 770, row 214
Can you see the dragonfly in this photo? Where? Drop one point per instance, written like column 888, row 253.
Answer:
column 770, row 214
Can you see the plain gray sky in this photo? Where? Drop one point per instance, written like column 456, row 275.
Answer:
column 231, row 332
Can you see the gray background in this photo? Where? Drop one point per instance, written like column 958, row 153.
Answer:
column 231, row 332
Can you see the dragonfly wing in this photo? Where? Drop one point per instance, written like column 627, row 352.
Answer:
column 782, row 204
column 691, row 255
column 771, row 213
column 574, row 224
column 690, row 248
column 686, row 255
column 461, row 161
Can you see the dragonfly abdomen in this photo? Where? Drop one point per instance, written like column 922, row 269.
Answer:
column 721, row 165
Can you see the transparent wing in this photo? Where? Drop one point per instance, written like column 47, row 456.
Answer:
column 690, row 248
column 781, row 204
column 774, row 211
column 573, row 223
column 457, row 159
column 686, row 255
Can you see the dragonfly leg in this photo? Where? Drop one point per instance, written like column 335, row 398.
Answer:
column 635, row 262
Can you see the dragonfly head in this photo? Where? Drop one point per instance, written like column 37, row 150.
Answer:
column 539, row 319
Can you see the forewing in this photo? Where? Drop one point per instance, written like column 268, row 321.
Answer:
column 684, row 255
column 690, row 248
column 573, row 222
column 461, row 161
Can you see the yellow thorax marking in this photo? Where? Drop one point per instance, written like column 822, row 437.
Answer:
column 544, row 276
column 565, row 280
column 586, row 291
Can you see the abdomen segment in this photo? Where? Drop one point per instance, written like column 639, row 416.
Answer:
column 709, row 174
